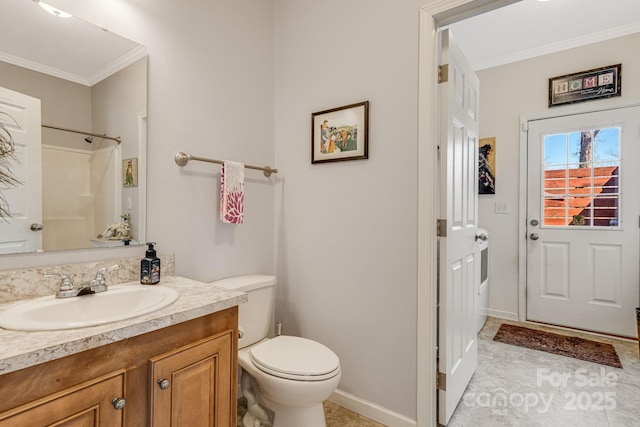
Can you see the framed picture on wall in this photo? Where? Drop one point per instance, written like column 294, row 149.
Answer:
column 604, row 82
column 340, row 133
column 130, row 172
column 487, row 166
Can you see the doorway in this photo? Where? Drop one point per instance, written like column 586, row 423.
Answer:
column 433, row 17
column 582, row 221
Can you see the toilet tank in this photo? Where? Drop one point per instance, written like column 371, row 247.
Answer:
column 254, row 316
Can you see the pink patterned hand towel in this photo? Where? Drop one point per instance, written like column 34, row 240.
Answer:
column 232, row 193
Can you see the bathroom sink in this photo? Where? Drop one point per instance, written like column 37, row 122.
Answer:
column 118, row 303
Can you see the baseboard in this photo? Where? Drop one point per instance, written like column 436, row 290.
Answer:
column 507, row 315
column 370, row 410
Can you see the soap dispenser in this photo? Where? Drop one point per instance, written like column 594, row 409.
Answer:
column 150, row 267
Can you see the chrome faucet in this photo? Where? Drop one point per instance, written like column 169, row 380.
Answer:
column 99, row 284
column 66, row 287
column 67, row 290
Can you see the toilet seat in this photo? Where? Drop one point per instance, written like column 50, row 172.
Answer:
column 295, row 358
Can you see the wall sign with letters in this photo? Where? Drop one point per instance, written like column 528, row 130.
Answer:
column 598, row 83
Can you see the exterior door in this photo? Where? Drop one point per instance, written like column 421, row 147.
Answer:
column 582, row 219
column 20, row 114
column 459, row 271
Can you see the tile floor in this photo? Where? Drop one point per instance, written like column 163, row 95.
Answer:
column 518, row 387
column 514, row 386
column 335, row 415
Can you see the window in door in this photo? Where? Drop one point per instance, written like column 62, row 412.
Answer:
column 581, row 171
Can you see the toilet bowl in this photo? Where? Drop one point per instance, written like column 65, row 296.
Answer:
column 294, row 376
column 289, row 376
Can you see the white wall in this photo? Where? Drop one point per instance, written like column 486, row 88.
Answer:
column 346, row 243
column 64, row 103
column 507, row 92
column 347, row 231
column 211, row 88
column 117, row 102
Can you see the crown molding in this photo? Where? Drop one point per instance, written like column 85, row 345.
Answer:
column 45, row 69
column 110, row 69
column 558, row 47
column 117, row 65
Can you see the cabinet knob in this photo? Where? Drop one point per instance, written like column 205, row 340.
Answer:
column 119, row 403
column 164, row 383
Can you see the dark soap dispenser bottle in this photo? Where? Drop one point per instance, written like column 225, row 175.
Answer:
column 150, row 267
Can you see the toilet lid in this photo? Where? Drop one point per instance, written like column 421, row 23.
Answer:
column 295, row 358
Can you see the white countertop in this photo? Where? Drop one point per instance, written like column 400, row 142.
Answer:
column 19, row 350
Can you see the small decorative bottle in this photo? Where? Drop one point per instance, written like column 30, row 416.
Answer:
column 150, row 267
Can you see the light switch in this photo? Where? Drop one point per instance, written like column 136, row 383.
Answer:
column 129, row 203
column 503, row 207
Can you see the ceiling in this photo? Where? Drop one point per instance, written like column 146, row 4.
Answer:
column 531, row 28
column 69, row 48
column 73, row 49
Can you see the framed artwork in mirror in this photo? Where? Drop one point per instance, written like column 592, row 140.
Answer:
column 130, row 172
column 340, row 133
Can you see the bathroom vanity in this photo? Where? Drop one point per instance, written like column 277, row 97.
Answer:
column 175, row 366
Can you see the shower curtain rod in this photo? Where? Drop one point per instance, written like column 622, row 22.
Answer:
column 117, row 138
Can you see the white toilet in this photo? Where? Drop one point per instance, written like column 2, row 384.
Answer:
column 289, row 376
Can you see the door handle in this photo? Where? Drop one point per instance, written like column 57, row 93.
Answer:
column 36, row 227
column 534, row 236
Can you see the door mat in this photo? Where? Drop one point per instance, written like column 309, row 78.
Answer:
column 578, row 348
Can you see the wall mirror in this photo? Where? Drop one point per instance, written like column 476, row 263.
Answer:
column 74, row 97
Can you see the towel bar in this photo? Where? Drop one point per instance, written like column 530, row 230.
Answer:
column 183, row 158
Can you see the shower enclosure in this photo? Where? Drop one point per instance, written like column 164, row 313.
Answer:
column 81, row 193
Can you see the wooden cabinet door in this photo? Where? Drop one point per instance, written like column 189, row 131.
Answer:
column 197, row 388
column 88, row 404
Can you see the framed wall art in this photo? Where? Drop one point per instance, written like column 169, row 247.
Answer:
column 130, row 172
column 340, row 133
column 487, row 166
column 604, row 82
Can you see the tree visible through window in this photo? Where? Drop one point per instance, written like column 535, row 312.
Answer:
column 581, row 178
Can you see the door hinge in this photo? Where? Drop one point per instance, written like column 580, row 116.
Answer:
column 441, row 381
column 441, row 228
column 443, row 73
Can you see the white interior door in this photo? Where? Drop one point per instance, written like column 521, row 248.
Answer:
column 459, row 273
column 25, row 200
column 582, row 219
